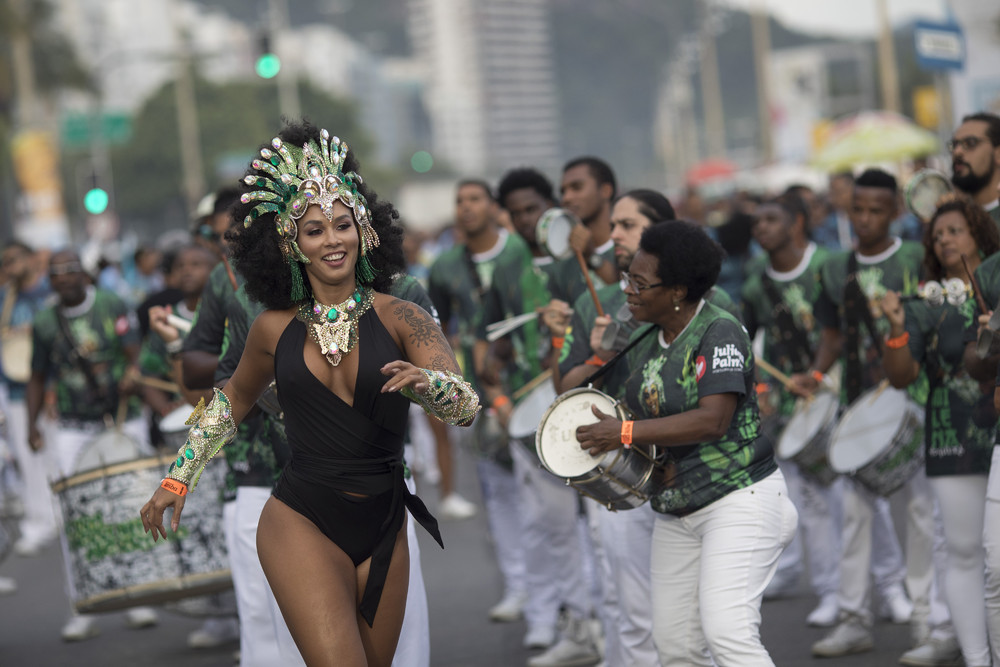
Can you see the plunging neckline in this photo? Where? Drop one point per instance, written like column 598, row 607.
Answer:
column 357, row 348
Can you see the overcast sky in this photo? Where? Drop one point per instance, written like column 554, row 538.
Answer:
column 844, row 17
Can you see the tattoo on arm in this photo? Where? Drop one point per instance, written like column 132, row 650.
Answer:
column 422, row 329
column 441, row 362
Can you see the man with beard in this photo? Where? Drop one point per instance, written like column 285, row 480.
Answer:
column 975, row 160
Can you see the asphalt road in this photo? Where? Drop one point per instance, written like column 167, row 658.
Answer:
column 462, row 583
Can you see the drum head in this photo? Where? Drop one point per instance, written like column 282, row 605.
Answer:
column 867, row 428
column 107, row 448
column 552, row 232
column 16, row 356
column 528, row 412
column 176, row 420
column 810, row 418
column 923, row 192
column 558, row 447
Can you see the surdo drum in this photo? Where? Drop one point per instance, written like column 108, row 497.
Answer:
column 806, row 438
column 621, row 479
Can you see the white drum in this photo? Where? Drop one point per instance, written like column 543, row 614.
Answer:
column 528, row 413
column 552, row 232
column 174, row 427
column 806, row 438
column 108, row 447
column 879, row 440
column 620, row 479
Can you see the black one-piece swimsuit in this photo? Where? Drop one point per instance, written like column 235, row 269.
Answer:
column 338, row 448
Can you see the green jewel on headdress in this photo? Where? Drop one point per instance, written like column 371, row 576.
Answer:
column 290, row 179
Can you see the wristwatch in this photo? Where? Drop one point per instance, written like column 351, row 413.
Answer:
column 595, row 261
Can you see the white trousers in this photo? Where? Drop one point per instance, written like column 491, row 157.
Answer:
column 503, row 514
column 709, row 570
column 626, row 541
column 860, row 509
column 962, row 500
column 553, row 548
column 991, row 543
column 39, row 522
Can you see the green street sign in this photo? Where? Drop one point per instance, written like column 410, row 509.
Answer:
column 78, row 128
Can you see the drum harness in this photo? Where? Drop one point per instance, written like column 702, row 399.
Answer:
column 80, row 360
column 855, row 309
column 793, row 338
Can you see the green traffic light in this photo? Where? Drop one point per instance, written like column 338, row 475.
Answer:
column 95, row 201
column 268, row 66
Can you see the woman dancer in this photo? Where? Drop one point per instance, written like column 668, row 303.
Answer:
column 723, row 514
column 960, row 421
column 331, row 539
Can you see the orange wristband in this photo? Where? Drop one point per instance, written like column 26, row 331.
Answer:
column 500, row 401
column 172, row 485
column 763, row 388
column 627, row 434
column 558, row 341
column 595, row 361
column 898, row 342
column 819, row 377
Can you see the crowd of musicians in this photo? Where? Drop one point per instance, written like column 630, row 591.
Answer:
column 716, row 332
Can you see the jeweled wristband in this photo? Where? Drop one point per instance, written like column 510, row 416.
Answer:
column 212, row 427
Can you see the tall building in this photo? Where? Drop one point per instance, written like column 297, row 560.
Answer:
column 491, row 88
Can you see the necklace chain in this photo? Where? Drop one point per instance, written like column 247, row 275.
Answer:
column 335, row 328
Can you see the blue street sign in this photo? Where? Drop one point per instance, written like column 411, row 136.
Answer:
column 939, row 46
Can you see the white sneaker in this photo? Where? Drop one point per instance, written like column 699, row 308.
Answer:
column 7, row 586
column 141, row 617
column 540, row 636
column 79, row 628
column 214, row 632
column 936, row 652
column 825, row 613
column 510, row 608
column 454, row 506
column 28, row 546
column 896, row 606
column 575, row 648
column 850, row 636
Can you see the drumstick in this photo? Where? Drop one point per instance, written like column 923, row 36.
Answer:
column 157, row 383
column 178, row 323
column 532, row 383
column 590, row 283
column 778, row 375
column 976, row 291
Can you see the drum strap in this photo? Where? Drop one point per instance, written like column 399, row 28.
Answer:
column 855, row 311
column 80, row 360
column 603, row 370
column 793, row 338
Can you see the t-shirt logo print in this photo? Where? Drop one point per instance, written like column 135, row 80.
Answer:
column 727, row 358
column 699, row 367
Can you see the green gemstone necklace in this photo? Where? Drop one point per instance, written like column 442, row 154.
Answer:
column 335, row 328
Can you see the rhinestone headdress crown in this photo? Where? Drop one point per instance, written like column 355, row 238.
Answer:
column 289, row 179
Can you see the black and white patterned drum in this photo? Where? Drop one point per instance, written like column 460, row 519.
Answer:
column 879, row 440
column 806, row 437
column 621, row 479
column 113, row 564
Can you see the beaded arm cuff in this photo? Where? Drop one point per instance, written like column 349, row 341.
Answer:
column 213, row 426
column 447, row 397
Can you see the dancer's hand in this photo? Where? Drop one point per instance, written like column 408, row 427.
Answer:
column 152, row 512
column 403, row 374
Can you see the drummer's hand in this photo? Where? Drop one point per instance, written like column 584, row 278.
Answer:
column 604, row 436
column 152, row 512
column 403, row 374
column 579, row 240
column 984, row 322
column 803, row 384
column 35, row 440
column 556, row 317
column 129, row 383
column 601, row 323
column 894, row 313
column 158, row 323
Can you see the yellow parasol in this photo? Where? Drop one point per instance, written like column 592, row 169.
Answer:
column 873, row 136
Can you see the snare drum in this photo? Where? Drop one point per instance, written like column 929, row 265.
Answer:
column 879, row 440
column 806, row 438
column 113, row 564
column 552, row 232
column 174, row 427
column 620, row 479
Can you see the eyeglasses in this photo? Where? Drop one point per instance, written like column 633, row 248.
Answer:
column 630, row 281
column 967, row 143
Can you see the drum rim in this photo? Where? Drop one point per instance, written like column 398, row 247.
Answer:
column 909, row 406
column 830, row 425
column 70, row 481
column 223, row 579
column 617, row 406
column 543, row 226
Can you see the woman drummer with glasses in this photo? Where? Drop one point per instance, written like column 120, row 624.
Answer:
column 723, row 513
column 960, row 422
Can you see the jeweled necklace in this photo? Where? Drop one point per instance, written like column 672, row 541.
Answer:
column 335, row 328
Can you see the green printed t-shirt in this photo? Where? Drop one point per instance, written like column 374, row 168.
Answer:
column 209, row 324
column 102, row 327
column 897, row 269
column 961, row 424
column 458, row 295
column 799, row 289
column 154, row 360
column 710, row 356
